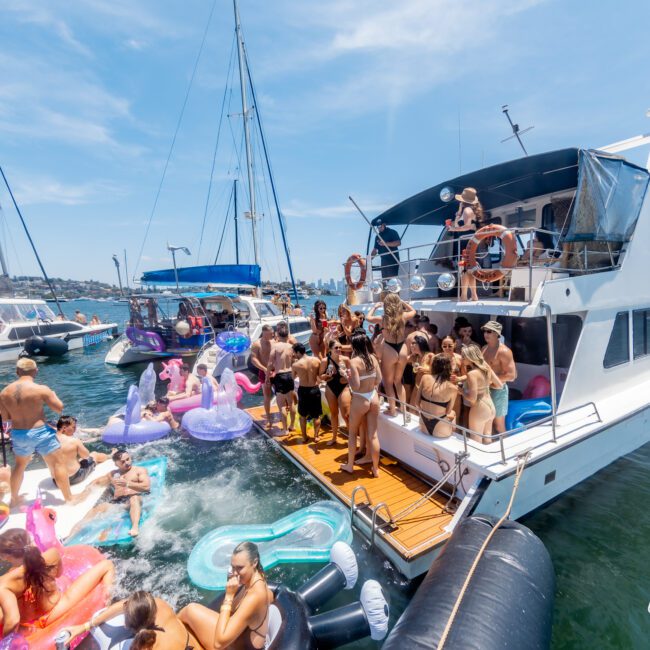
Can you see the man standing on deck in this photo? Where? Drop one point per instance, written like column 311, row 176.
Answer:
column 259, row 360
column 500, row 358
column 387, row 243
column 307, row 369
column 23, row 403
column 279, row 375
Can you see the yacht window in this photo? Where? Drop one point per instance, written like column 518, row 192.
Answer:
column 298, row 326
column 266, row 309
column 9, row 313
column 241, row 309
column 618, row 348
column 641, row 333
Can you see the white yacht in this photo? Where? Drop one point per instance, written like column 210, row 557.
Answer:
column 577, row 319
column 29, row 326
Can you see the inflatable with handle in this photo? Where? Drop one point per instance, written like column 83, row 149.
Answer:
column 172, row 371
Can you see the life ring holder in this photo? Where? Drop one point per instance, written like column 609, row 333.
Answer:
column 357, row 259
column 509, row 258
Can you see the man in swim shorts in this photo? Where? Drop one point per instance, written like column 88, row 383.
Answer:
column 307, row 370
column 279, row 376
column 79, row 462
column 23, row 403
column 500, row 358
column 127, row 485
column 259, row 360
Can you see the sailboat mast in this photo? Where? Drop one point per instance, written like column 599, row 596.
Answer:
column 247, row 137
column 234, row 190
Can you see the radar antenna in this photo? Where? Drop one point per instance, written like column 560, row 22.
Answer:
column 516, row 131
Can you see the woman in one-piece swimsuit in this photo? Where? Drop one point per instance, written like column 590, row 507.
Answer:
column 333, row 372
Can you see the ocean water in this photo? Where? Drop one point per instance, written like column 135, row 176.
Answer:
column 597, row 533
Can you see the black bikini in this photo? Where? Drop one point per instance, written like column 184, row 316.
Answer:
column 430, row 423
column 335, row 384
column 396, row 346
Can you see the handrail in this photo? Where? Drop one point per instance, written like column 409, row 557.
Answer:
column 373, row 527
column 358, row 488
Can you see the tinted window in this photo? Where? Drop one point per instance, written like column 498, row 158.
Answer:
column 618, row 348
column 641, row 333
column 295, row 327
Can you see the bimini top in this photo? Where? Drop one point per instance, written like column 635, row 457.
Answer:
column 225, row 275
column 508, row 182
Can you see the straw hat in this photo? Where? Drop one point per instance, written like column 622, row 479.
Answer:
column 468, row 196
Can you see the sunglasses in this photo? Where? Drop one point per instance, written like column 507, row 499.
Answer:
column 447, row 345
column 336, row 347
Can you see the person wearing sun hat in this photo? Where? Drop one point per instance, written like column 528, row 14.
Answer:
column 499, row 357
column 467, row 221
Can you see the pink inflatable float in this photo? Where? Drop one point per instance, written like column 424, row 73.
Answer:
column 76, row 560
column 179, row 406
column 172, row 371
column 539, row 386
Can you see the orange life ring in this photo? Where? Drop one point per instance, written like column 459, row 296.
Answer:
column 355, row 258
column 509, row 257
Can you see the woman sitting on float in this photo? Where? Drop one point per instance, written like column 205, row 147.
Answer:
column 29, row 594
column 244, row 612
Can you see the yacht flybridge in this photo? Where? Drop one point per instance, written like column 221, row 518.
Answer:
column 577, row 319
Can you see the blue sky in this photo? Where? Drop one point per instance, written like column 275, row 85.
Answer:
column 369, row 98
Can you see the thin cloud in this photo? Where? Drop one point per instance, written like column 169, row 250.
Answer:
column 44, row 190
column 300, row 210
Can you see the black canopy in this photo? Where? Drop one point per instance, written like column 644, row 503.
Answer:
column 498, row 185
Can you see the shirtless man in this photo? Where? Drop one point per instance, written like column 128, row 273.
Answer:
column 307, row 369
column 192, row 385
column 160, row 413
column 127, row 484
column 430, row 330
column 279, row 376
column 202, row 372
column 500, row 358
column 23, row 402
column 259, row 359
column 79, row 462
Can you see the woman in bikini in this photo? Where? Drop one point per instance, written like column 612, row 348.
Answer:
column 348, row 322
column 28, row 592
column 333, row 371
column 152, row 621
column 418, row 364
column 466, row 222
column 394, row 355
column 243, row 619
column 365, row 376
column 448, row 346
column 318, row 323
column 435, row 397
column 476, row 391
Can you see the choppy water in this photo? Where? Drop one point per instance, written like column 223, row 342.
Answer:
column 597, row 533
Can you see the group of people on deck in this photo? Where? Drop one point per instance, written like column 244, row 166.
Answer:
column 30, row 597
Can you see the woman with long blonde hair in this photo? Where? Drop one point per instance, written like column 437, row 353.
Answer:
column 394, row 355
column 476, row 391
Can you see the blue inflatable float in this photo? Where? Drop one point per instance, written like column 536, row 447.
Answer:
column 233, row 341
column 524, row 411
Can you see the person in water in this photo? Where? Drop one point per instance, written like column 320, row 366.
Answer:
column 79, row 462
column 243, row 620
column 307, row 370
column 28, row 592
column 202, row 372
column 127, row 484
column 279, row 376
column 152, row 621
column 159, row 411
column 190, row 385
column 23, row 403
column 259, row 360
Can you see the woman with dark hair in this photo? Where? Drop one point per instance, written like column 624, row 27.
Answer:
column 318, row 324
column 467, row 221
column 419, row 363
column 243, row 619
column 28, row 592
column 435, row 397
column 152, row 621
column 365, row 376
column 333, row 371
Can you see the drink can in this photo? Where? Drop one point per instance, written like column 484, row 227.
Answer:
column 61, row 640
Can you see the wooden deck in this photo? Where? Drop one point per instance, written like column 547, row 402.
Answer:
column 415, row 534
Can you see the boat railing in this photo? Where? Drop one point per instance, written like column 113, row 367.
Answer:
column 469, row 436
column 561, row 261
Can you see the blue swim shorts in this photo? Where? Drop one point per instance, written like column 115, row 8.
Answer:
column 42, row 439
column 500, row 398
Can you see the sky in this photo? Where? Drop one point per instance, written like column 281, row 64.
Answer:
column 372, row 99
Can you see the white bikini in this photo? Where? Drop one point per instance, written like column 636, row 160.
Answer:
column 369, row 395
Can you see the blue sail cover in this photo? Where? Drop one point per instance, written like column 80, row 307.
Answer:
column 222, row 274
column 608, row 199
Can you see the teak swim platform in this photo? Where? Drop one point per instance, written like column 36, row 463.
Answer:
column 410, row 523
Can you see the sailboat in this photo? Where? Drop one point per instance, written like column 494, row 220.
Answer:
column 232, row 297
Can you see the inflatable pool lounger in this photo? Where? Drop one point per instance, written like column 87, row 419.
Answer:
column 306, row 535
column 112, row 527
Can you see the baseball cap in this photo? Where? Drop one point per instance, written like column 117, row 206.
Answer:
column 493, row 326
